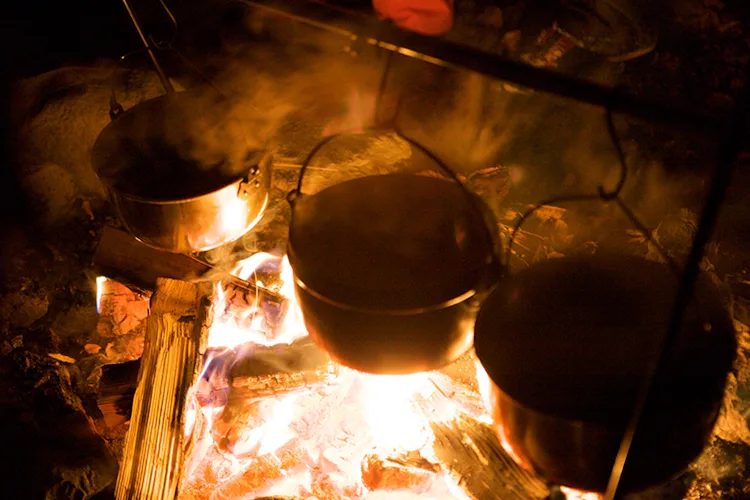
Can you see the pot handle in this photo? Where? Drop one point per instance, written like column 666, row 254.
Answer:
column 116, row 109
column 493, row 243
column 258, row 161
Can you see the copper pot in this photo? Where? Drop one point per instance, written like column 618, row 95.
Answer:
column 171, row 187
column 390, row 270
column 566, row 344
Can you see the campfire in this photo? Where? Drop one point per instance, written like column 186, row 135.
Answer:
column 270, row 415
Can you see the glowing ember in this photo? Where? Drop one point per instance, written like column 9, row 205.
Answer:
column 99, row 292
column 323, row 433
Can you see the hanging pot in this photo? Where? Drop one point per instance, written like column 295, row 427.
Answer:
column 566, row 344
column 390, row 269
column 171, row 187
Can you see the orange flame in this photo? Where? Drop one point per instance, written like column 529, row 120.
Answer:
column 330, row 430
column 233, row 328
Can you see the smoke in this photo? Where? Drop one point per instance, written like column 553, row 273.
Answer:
column 285, row 95
column 549, row 146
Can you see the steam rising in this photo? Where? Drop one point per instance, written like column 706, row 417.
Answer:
column 285, row 96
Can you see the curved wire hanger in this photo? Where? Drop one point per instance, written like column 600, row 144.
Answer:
column 604, row 195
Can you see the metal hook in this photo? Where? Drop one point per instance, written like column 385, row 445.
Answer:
column 168, row 88
column 602, row 195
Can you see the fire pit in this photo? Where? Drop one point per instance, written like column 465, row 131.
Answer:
column 260, row 412
column 270, row 415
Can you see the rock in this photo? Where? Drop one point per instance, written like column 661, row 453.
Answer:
column 48, row 440
column 53, row 190
column 82, row 482
column 78, row 322
column 22, row 308
column 58, row 116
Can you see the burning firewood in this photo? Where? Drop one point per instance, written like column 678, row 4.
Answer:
column 411, row 472
column 288, row 365
column 246, row 373
column 264, row 471
column 473, row 453
column 157, row 443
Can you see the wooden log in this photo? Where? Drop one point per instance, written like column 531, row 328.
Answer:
column 252, row 372
column 471, row 451
column 300, row 357
column 123, row 258
column 281, row 383
column 264, row 471
column 157, row 443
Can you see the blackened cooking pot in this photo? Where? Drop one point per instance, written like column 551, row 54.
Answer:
column 390, row 269
column 180, row 172
column 566, row 344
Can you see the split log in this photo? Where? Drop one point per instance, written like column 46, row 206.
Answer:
column 245, row 373
column 157, row 444
column 281, row 383
column 302, row 357
column 471, row 451
column 263, row 472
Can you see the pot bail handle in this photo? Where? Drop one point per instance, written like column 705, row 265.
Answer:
column 151, row 46
column 492, row 242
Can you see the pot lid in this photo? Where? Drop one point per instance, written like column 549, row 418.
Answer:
column 573, row 337
column 394, row 241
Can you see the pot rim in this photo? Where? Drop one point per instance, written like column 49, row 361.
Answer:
column 390, row 312
column 169, row 201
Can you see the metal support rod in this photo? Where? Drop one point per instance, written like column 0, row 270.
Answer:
column 445, row 53
column 159, row 71
column 730, row 148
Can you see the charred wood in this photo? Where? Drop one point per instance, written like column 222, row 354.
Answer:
column 300, row 357
column 247, row 372
column 264, row 471
column 116, row 390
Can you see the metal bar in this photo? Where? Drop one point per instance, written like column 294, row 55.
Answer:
column 731, row 146
column 159, row 71
column 445, row 53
